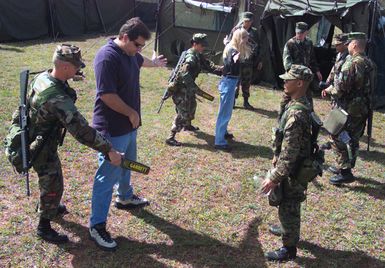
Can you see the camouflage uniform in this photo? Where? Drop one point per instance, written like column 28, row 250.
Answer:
column 52, row 109
column 352, row 93
column 183, row 95
column 301, row 53
column 292, row 146
column 249, row 65
column 340, row 60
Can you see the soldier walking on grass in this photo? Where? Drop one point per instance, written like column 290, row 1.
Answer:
column 184, row 89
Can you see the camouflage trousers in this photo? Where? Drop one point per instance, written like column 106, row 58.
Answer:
column 355, row 128
column 245, row 80
column 289, row 211
column 185, row 107
column 48, row 168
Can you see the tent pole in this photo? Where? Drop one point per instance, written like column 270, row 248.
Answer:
column 50, row 2
column 100, row 16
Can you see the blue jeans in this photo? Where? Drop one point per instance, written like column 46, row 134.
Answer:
column 227, row 94
column 108, row 175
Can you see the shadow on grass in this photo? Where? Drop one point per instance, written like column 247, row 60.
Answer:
column 239, row 149
column 336, row 258
column 12, row 49
column 187, row 247
column 369, row 186
column 263, row 112
column 372, row 156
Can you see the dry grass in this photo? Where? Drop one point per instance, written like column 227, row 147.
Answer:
column 205, row 210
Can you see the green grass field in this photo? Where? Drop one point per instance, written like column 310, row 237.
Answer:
column 205, row 208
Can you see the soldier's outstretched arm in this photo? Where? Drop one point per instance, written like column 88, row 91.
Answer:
column 66, row 112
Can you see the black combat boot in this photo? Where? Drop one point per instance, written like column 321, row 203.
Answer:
column 282, row 254
column 45, row 232
column 191, row 128
column 229, row 136
column 246, row 104
column 275, row 229
column 345, row 176
column 172, row 141
column 334, row 170
column 61, row 210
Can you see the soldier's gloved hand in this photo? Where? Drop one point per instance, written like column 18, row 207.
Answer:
column 115, row 157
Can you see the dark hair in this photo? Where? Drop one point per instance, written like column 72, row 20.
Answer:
column 134, row 28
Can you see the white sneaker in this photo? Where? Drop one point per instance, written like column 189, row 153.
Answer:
column 99, row 234
column 133, row 202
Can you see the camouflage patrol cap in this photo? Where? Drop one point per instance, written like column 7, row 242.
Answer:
column 301, row 27
column 340, row 39
column 247, row 16
column 69, row 53
column 298, row 72
column 200, row 38
column 355, row 36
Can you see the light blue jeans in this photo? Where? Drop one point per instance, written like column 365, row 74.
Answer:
column 226, row 87
column 108, row 175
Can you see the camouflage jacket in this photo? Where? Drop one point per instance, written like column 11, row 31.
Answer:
column 52, row 108
column 301, row 53
column 353, row 85
column 253, row 40
column 292, row 142
column 335, row 71
column 193, row 64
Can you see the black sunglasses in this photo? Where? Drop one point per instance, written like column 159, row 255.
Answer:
column 138, row 45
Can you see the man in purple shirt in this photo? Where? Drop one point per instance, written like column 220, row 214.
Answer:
column 117, row 115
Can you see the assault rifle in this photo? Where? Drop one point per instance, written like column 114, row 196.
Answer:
column 23, row 121
column 172, row 78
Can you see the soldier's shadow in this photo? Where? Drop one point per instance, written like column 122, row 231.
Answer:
column 263, row 112
column 239, row 149
column 369, row 186
column 336, row 258
column 372, row 156
column 185, row 246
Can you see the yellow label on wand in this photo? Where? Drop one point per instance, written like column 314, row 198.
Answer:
column 135, row 166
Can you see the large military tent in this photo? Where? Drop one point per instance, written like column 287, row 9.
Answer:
column 178, row 20
column 327, row 18
column 21, row 20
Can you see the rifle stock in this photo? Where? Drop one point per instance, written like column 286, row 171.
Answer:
column 23, row 108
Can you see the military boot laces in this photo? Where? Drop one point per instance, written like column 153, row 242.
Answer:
column 282, row 254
